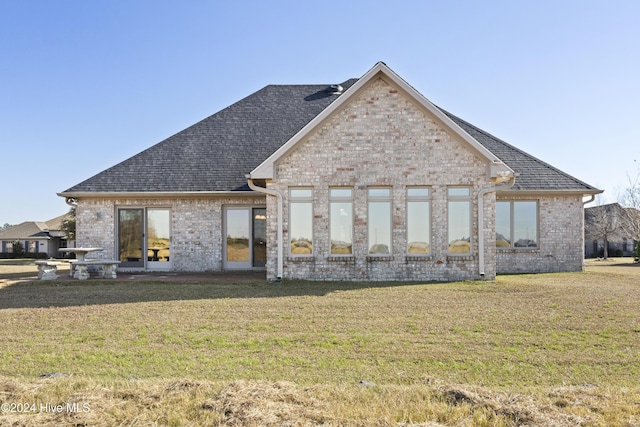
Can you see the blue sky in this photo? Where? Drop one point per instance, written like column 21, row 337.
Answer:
column 86, row 84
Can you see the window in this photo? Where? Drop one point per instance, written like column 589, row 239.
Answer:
column 517, row 224
column 459, row 220
column 341, row 221
column 418, row 221
column 301, row 221
column 379, row 229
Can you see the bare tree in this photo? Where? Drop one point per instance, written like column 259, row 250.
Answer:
column 630, row 199
column 601, row 222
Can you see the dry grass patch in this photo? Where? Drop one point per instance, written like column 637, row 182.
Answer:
column 187, row 402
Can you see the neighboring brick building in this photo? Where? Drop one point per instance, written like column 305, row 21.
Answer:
column 362, row 180
column 611, row 225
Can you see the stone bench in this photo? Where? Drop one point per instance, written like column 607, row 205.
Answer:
column 106, row 268
column 48, row 270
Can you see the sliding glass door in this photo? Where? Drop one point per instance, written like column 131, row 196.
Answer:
column 245, row 240
column 144, row 236
column 131, row 237
column 158, row 239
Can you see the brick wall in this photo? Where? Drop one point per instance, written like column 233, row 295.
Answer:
column 382, row 138
column 560, row 239
column 196, row 228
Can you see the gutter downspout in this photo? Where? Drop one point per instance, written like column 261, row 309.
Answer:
column 481, row 194
column 278, row 196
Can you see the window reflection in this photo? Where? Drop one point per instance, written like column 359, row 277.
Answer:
column 341, row 221
column 503, row 224
column 418, row 221
column 158, row 235
column 459, row 220
column 525, row 224
column 301, row 228
column 237, row 234
column 517, row 224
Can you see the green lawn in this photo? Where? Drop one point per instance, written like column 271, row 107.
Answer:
column 526, row 335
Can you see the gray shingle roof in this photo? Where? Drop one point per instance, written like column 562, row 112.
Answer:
column 25, row 230
column 534, row 173
column 216, row 153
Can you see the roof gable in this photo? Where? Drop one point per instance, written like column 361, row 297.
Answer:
column 266, row 169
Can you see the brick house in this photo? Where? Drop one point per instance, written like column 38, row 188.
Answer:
column 362, row 180
column 613, row 226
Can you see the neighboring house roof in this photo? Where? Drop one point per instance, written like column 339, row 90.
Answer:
column 33, row 229
column 216, row 154
column 25, row 230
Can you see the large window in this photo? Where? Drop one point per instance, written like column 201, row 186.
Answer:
column 517, row 224
column 418, row 221
column 459, row 220
column 341, row 220
column 379, row 231
column 301, row 221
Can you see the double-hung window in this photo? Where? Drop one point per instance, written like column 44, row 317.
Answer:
column 301, row 221
column 379, row 221
column 459, row 220
column 341, row 221
column 517, row 224
column 418, row 221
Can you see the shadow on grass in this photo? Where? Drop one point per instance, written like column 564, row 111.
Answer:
column 133, row 289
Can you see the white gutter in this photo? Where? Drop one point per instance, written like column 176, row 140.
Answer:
column 150, row 194
column 593, row 197
column 481, row 194
column 279, row 201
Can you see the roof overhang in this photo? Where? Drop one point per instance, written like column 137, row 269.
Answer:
column 156, row 194
column 547, row 193
column 266, row 170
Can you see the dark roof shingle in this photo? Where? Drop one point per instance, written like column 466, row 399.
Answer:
column 216, row 153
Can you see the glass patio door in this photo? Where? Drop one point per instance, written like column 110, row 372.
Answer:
column 245, row 238
column 144, row 237
column 158, row 239
column 131, row 238
column 259, row 236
